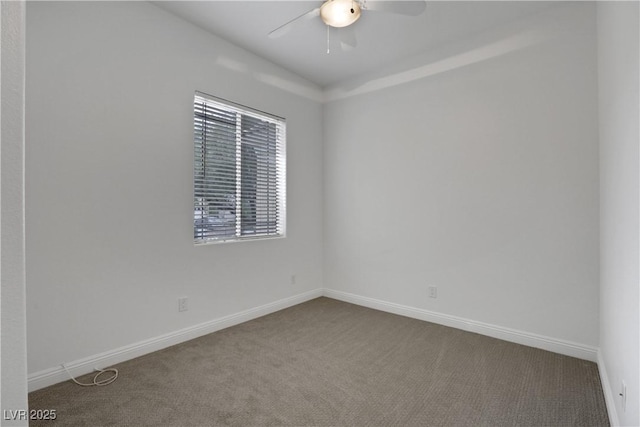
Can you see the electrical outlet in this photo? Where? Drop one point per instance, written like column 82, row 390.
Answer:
column 433, row 292
column 623, row 396
column 182, row 304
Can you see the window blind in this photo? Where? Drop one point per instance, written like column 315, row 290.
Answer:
column 239, row 172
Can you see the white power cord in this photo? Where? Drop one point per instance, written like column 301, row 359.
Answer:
column 95, row 379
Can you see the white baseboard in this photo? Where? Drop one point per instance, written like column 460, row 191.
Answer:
column 55, row 375
column 567, row 348
column 609, row 396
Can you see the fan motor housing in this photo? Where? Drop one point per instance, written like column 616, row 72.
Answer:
column 340, row 13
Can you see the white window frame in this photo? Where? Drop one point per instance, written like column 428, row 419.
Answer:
column 262, row 205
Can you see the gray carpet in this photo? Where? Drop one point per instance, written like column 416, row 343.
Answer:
column 326, row 362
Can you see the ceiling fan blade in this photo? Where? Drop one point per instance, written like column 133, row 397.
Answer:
column 347, row 38
column 406, row 7
column 285, row 28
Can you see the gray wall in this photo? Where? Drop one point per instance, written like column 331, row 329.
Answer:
column 12, row 269
column 479, row 175
column 109, row 200
column 618, row 70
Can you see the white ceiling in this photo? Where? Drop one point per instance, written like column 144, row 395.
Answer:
column 383, row 38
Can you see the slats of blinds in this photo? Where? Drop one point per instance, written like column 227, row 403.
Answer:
column 239, row 171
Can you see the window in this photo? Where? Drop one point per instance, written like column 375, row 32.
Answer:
column 239, row 172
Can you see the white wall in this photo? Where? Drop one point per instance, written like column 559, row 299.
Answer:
column 618, row 70
column 13, row 346
column 476, row 171
column 109, row 203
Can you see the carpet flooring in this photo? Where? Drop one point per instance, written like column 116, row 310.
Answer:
column 330, row 363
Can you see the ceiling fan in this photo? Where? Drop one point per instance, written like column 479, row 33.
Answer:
column 343, row 13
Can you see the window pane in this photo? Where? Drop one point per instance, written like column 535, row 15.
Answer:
column 239, row 188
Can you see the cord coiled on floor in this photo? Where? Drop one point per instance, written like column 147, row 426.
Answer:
column 95, row 382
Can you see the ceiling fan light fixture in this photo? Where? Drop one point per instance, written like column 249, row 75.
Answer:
column 340, row 13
